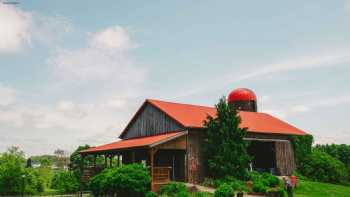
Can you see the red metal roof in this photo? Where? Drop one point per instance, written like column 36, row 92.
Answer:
column 192, row 116
column 134, row 142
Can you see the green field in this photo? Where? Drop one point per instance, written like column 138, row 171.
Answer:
column 316, row 189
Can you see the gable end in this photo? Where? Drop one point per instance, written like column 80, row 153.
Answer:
column 149, row 120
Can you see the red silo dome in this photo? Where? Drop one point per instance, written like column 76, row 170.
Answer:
column 241, row 94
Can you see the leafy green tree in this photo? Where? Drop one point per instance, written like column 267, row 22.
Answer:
column 33, row 182
column 11, row 171
column 65, row 182
column 46, row 174
column 224, row 147
column 320, row 166
column 339, row 151
column 14, row 178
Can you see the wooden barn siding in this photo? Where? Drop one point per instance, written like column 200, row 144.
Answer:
column 284, row 158
column 150, row 121
column 195, row 162
column 176, row 144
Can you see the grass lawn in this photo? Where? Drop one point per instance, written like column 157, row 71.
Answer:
column 316, row 189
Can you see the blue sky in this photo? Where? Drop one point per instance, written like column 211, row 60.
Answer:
column 74, row 72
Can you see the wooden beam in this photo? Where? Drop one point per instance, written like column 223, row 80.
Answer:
column 81, row 172
column 151, row 153
column 133, row 156
column 105, row 161
column 118, row 160
column 110, row 160
column 95, row 156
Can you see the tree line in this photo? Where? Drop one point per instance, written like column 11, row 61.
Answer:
column 322, row 162
column 58, row 173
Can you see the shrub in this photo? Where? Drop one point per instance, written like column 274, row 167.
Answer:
column 40, row 185
column 208, row 182
column 224, row 190
column 65, row 182
column 230, row 180
column 98, row 183
column 201, row 194
column 276, row 192
column 128, row 180
column 182, row 194
column 254, row 175
column 173, row 189
column 33, row 181
column 236, row 185
column 151, row 194
column 270, row 180
column 259, row 187
column 322, row 167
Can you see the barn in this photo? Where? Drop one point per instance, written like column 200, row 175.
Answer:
column 167, row 137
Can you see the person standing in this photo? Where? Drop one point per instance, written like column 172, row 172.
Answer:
column 288, row 185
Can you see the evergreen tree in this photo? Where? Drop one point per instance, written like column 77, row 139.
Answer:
column 224, row 147
column 29, row 163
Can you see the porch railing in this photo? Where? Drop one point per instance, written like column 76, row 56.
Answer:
column 161, row 175
column 89, row 172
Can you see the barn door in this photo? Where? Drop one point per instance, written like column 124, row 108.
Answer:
column 284, row 158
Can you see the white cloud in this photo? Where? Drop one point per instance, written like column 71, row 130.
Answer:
column 116, row 103
column 70, row 109
column 89, row 64
column 50, row 29
column 7, row 95
column 41, row 128
column 15, row 28
column 115, row 37
column 104, row 59
column 278, row 113
column 322, row 60
column 11, row 118
column 20, row 29
column 93, row 90
column 299, row 108
column 66, row 106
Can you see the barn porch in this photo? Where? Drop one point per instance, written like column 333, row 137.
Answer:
column 164, row 155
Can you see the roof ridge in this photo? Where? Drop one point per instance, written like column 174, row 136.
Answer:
column 172, row 102
column 168, row 132
column 194, row 105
